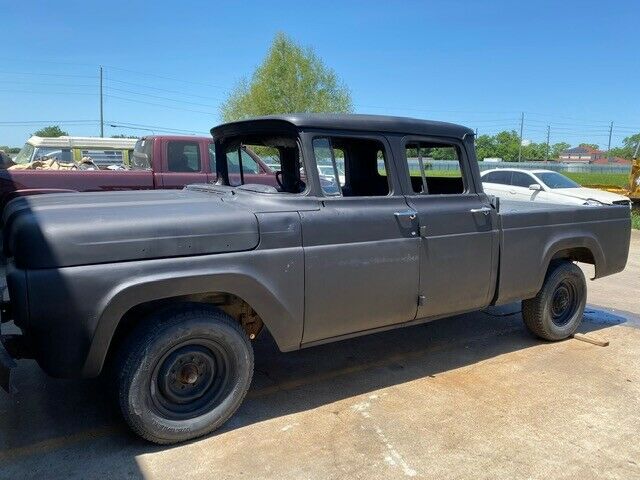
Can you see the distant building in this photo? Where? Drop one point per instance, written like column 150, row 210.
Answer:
column 582, row 154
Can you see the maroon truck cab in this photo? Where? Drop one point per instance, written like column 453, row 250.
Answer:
column 159, row 162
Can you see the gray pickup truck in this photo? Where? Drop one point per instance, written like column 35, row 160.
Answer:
column 166, row 289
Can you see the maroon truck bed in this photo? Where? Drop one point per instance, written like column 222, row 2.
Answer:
column 173, row 162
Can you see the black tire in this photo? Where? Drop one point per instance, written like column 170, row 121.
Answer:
column 183, row 373
column 556, row 311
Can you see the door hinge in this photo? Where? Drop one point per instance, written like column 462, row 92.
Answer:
column 421, row 300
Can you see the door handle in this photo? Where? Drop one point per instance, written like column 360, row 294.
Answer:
column 483, row 210
column 408, row 221
column 409, row 214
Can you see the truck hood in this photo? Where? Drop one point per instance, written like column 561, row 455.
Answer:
column 68, row 229
column 590, row 194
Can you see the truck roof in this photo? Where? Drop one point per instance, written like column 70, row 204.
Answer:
column 370, row 123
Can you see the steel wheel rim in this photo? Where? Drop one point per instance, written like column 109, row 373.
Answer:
column 191, row 379
column 563, row 303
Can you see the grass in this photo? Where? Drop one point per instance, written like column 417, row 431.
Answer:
column 585, row 179
column 610, row 179
column 635, row 219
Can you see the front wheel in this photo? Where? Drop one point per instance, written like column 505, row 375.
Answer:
column 556, row 311
column 184, row 373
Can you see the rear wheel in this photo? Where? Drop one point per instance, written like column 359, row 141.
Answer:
column 556, row 311
column 184, row 373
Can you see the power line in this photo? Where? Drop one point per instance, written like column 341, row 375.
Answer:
column 47, row 93
column 141, row 126
column 48, row 74
column 157, row 104
column 173, row 79
column 45, row 121
column 159, row 97
column 140, row 85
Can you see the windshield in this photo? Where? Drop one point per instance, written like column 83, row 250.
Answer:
column 24, row 155
column 556, row 180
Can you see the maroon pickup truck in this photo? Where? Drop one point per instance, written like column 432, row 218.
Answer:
column 159, row 161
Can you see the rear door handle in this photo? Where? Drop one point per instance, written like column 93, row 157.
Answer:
column 483, row 210
column 409, row 214
column 408, row 221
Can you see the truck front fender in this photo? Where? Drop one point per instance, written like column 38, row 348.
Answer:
column 275, row 300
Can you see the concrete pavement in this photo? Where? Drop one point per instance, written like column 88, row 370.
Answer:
column 474, row 396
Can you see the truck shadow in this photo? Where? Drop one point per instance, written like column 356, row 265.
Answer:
column 54, row 425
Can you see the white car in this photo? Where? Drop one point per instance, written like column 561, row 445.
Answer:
column 327, row 171
column 544, row 186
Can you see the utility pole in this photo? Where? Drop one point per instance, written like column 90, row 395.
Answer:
column 101, row 114
column 609, row 144
column 546, row 158
column 520, row 146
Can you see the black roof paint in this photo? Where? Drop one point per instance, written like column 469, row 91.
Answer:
column 354, row 122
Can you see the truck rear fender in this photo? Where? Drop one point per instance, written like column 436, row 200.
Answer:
column 585, row 249
column 522, row 277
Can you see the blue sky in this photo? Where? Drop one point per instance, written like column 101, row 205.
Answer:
column 572, row 64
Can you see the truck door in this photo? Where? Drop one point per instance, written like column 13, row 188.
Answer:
column 361, row 246
column 458, row 231
column 182, row 163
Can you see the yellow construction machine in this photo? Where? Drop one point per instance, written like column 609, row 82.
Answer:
column 634, row 177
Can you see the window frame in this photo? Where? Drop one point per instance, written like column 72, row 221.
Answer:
column 465, row 172
column 221, row 167
column 387, row 152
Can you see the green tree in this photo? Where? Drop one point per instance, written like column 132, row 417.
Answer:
column 50, row 131
column 8, row 149
column 628, row 147
column 290, row 79
column 595, row 146
column 123, row 135
column 557, row 148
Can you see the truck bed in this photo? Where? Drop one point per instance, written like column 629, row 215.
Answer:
column 532, row 231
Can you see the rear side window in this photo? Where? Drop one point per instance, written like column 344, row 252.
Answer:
column 351, row 167
column 434, row 168
column 520, row 179
column 183, row 156
column 500, row 177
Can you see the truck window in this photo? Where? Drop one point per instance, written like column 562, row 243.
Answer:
column 183, row 156
column 351, row 167
column 212, row 157
column 142, row 154
column 434, row 168
column 245, row 156
column 249, row 165
column 104, row 158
